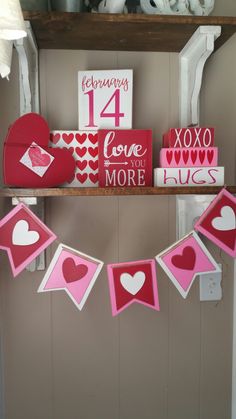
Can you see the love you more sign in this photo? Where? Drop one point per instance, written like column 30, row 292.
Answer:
column 125, row 158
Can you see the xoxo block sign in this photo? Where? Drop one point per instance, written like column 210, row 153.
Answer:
column 189, row 137
column 182, row 157
column 192, row 176
column 105, row 99
column 125, row 158
column 83, row 146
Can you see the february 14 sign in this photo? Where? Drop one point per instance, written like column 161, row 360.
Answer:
column 105, row 99
column 125, row 158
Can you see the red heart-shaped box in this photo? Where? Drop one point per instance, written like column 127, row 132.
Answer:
column 28, row 129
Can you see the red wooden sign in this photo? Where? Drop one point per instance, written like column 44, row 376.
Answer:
column 189, row 137
column 125, row 158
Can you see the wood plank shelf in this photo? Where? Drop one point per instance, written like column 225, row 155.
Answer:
column 60, row 192
column 119, row 32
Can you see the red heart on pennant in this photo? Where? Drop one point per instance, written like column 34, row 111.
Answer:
column 82, row 177
column 93, row 177
column 93, row 138
column 54, row 138
column 38, row 159
column 73, row 272
column 28, row 129
column 93, row 164
column 186, row 260
column 68, row 137
column 81, row 164
column 81, row 151
column 93, row 151
column 81, row 138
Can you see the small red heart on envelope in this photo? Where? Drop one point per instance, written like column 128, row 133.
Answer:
column 28, row 129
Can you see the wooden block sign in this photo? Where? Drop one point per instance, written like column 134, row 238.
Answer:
column 192, row 176
column 83, row 146
column 189, row 157
column 189, row 137
column 105, row 99
column 125, row 158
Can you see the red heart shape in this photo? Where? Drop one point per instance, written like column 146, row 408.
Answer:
column 185, row 156
column 81, row 164
column 177, row 156
column 68, row 138
column 93, row 138
column 70, row 149
column 186, row 260
column 54, row 138
column 38, row 159
column 202, row 154
column 82, row 177
column 93, row 177
column 27, row 129
column 81, row 138
column 169, row 155
column 93, row 151
column 93, row 164
column 210, row 155
column 81, row 151
column 194, row 155
column 73, row 272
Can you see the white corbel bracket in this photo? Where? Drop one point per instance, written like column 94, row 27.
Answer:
column 28, row 72
column 191, row 64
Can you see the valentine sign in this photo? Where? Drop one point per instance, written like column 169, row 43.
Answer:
column 192, row 176
column 71, row 271
column 24, row 237
column 105, row 99
column 83, row 146
column 133, row 282
column 28, row 161
column 190, row 157
column 218, row 222
column 189, row 137
column 125, row 158
column 186, row 259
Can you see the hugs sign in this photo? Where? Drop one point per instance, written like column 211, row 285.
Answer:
column 125, row 158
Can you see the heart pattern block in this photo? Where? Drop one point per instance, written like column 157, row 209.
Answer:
column 218, row 222
column 83, row 146
column 186, row 259
column 133, row 282
column 23, row 236
column 71, row 271
column 27, row 159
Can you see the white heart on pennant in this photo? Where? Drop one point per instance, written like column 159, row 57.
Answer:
column 133, row 284
column 226, row 221
column 22, row 236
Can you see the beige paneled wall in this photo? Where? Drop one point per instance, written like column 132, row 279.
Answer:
column 65, row 364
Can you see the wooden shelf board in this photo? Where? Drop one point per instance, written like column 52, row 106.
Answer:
column 119, row 32
column 60, row 192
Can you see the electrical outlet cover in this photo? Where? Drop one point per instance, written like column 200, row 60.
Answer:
column 210, row 286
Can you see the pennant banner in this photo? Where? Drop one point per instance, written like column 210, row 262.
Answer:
column 24, row 236
column 184, row 260
column 73, row 272
column 218, row 222
column 133, row 282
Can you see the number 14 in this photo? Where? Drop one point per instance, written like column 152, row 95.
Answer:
column 103, row 114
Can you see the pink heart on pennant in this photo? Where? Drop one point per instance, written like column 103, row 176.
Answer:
column 38, row 159
column 73, row 272
column 81, row 138
column 68, row 137
column 186, row 260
